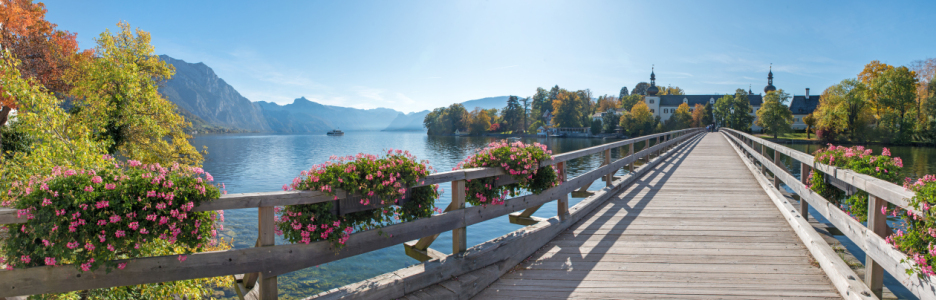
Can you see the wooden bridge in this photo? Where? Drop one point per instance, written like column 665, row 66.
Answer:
column 699, row 215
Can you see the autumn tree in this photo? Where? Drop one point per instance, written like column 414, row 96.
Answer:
column 681, row 119
column 773, row 116
column 925, row 71
column 116, row 94
column 480, row 121
column 671, row 90
column 810, row 122
column 567, row 109
column 639, row 121
column 606, row 103
column 698, row 115
column 44, row 52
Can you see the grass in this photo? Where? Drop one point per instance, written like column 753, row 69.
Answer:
column 791, row 136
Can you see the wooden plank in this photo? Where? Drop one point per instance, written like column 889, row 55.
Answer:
column 266, row 283
column 842, row 276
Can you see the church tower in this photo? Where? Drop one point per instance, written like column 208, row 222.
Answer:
column 770, row 86
column 653, row 101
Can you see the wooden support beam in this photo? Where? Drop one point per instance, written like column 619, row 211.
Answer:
column 459, row 235
column 877, row 223
column 421, row 255
column 804, row 178
column 563, row 203
column 267, row 235
column 525, row 217
column 607, row 161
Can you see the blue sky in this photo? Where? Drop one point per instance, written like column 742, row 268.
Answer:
column 416, row 55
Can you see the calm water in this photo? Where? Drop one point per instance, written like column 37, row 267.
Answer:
column 264, row 162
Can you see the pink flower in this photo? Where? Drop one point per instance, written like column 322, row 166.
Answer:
column 182, row 258
column 46, row 202
column 886, row 152
column 89, row 189
column 96, row 179
column 26, row 259
column 110, row 186
column 121, row 266
column 50, row 261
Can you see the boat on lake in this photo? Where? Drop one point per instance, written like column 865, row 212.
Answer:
column 336, row 132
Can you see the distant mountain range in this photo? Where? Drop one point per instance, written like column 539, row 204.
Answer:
column 212, row 105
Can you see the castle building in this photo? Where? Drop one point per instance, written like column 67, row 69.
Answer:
column 802, row 106
column 665, row 106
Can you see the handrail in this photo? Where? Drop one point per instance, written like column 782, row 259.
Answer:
column 273, row 260
column 281, row 198
column 881, row 256
column 885, row 190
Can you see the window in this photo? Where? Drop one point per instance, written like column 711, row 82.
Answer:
column 665, row 110
column 651, row 111
column 651, row 101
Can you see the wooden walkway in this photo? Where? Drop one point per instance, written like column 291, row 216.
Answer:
column 698, row 226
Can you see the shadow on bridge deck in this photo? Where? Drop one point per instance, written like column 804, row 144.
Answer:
column 696, row 226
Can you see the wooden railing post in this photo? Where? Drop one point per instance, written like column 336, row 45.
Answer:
column 635, row 160
column 563, row 201
column 804, row 177
column 459, row 235
column 607, row 161
column 877, row 223
column 776, row 161
column 266, row 284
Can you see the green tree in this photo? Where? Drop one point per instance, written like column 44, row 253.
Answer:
column 640, row 89
column 512, row 114
column 455, row 118
column 623, row 93
column 844, row 108
column 707, row 117
column 541, row 103
column 742, row 118
column 773, row 116
column 526, row 109
column 596, row 126
column 609, row 122
column 628, row 102
column 895, row 91
column 433, row 122
column 723, row 110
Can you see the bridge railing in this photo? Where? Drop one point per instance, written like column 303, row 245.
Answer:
column 880, row 256
column 256, row 268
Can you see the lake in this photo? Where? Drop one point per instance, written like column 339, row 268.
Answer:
column 264, row 162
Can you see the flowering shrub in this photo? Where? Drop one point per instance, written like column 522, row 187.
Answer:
column 919, row 233
column 384, row 178
column 88, row 218
column 857, row 159
column 519, row 160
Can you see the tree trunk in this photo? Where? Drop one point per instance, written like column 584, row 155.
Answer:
column 4, row 115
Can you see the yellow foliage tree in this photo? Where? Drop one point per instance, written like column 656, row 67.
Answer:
column 116, row 94
column 698, row 114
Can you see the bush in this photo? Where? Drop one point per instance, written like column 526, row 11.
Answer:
column 919, row 233
column 826, row 134
column 386, row 178
column 857, row 159
column 89, row 218
column 519, row 160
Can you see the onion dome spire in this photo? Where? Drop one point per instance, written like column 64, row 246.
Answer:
column 652, row 90
column 770, row 86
